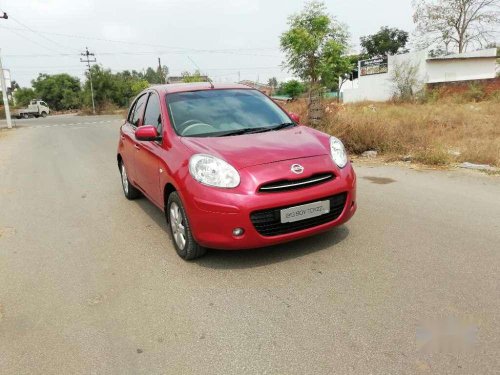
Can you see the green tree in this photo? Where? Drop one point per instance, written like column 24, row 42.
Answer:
column 104, row 85
column 138, row 85
column 113, row 88
column 387, row 41
column 60, row 91
column 292, row 88
column 22, row 96
column 273, row 82
column 315, row 45
column 156, row 76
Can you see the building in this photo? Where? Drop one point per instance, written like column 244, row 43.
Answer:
column 375, row 83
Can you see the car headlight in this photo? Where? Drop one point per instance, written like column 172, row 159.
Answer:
column 338, row 152
column 213, row 171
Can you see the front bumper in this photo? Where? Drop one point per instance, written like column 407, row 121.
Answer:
column 214, row 213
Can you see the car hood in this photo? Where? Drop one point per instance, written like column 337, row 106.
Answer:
column 247, row 150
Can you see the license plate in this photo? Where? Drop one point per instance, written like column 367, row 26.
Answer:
column 305, row 211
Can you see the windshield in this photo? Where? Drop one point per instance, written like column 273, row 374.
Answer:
column 212, row 113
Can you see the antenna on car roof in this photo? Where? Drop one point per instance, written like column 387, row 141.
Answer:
column 211, row 83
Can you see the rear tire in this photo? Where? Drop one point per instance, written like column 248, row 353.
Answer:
column 26, row 116
column 129, row 190
column 182, row 237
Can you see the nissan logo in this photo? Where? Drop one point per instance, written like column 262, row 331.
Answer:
column 297, row 168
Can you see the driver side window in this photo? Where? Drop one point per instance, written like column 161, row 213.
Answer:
column 152, row 116
column 138, row 111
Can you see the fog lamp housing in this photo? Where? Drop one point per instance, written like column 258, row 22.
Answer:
column 238, row 232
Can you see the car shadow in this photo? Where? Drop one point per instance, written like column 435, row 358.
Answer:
column 240, row 259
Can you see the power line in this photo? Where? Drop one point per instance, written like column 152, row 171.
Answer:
column 40, row 34
column 235, row 51
column 89, row 57
column 139, row 53
column 29, row 39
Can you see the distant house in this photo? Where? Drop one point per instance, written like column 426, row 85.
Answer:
column 374, row 81
column 266, row 89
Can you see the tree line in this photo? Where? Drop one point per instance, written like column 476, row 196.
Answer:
column 65, row 92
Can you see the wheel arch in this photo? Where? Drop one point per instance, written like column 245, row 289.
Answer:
column 167, row 190
column 119, row 160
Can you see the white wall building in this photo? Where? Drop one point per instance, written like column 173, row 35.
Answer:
column 375, row 84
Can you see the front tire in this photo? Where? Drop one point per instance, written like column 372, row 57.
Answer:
column 182, row 237
column 129, row 190
column 44, row 114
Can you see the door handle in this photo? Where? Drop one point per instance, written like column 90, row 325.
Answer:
column 137, row 147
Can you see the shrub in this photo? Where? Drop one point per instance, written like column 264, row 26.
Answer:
column 475, row 93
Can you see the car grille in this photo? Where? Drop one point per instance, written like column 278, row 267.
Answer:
column 284, row 185
column 268, row 222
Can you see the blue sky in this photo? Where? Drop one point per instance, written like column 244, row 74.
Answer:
column 221, row 37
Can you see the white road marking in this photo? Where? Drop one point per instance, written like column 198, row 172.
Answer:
column 72, row 124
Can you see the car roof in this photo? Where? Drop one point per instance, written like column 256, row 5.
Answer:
column 197, row 86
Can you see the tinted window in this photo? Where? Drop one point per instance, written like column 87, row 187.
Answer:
column 152, row 116
column 139, row 108
column 212, row 112
column 131, row 112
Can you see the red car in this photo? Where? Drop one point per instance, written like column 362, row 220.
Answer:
column 231, row 169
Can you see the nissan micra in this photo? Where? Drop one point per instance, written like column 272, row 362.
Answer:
column 231, row 169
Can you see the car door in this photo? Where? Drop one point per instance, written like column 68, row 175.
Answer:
column 147, row 155
column 128, row 136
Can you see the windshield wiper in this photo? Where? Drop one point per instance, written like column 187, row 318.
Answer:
column 283, row 126
column 273, row 128
column 256, row 130
column 241, row 131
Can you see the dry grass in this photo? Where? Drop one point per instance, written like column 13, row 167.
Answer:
column 106, row 109
column 431, row 132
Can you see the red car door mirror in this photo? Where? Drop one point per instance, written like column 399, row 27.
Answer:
column 146, row 133
column 295, row 117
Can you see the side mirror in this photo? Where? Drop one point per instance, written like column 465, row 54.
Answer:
column 146, row 133
column 295, row 117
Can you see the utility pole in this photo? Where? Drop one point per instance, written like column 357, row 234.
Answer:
column 4, row 94
column 4, row 86
column 88, row 59
column 160, row 72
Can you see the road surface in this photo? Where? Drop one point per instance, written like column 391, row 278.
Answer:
column 90, row 284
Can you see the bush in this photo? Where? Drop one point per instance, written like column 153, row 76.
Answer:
column 23, row 96
column 292, row 88
column 475, row 93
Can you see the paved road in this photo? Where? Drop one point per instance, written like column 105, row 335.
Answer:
column 89, row 283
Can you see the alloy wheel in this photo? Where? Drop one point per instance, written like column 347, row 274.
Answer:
column 124, row 179
column 177, row 225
